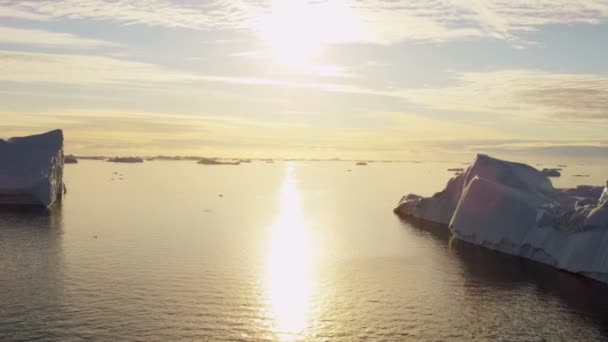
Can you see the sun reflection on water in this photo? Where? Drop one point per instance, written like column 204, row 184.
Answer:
column 288, row 278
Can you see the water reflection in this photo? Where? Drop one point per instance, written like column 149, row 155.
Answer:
column 32, row 217
column 289, row 263
column 31, row 272
column 487, row 269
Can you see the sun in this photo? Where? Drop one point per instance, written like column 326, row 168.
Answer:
column 287, row 32
column 295, row 31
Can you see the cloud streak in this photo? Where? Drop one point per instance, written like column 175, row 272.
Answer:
column 127, row 132
column 18, row 36
column 509, row 94
column 204, row 15
column 527, row 94
column 28, row 67
column 124, row 132
column 88, row 70
column 379, row 21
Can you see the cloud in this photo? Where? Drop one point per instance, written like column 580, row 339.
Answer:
column 127, row 132
column 305, row 69
column 561, row 152
column 510, row 94
column 87, row 70
column 505, row 94
column 8, row 11
column 413, row 127
column 413, row 137
column 457, row 19
column 12, row 35
column 575, row 98
column 527, row 94
column 204, row 15
column 16, row 66
column 374, row 21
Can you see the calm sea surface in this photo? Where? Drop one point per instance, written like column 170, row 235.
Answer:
column 176, row 251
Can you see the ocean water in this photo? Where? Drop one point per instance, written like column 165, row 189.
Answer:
column 175, row 251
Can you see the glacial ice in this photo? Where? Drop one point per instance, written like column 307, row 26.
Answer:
column 551, row 172
column 70, row 159
column 514, row 208
column 131, row 160
column 31, row 169
column 209, row 161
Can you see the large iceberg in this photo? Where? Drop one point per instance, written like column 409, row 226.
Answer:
column 31, row 169
column 514, row 208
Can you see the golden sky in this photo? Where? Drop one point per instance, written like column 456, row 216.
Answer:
column 369, row 79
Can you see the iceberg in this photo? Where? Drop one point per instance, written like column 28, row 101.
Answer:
column 514, row 208
column 554, row 172
column 208, row 161
column 70, row 159
column 131, row 160
column 31, row 169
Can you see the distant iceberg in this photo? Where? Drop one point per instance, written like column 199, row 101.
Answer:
column 70, row 159
column 209, row 161
column 554, row 172
column 514, row 208
column 31, row 169
column 132, row 160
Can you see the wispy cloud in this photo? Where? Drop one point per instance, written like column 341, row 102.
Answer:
column 457, row 19
column 126, row 132
column 88, row 70
column 507, row 94
column 16, row 66
column 194, row 15
column 377, row 21
column 19, row 36
column 527, row 94
column 8, row 10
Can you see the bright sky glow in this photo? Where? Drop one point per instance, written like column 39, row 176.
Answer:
column 288, row 32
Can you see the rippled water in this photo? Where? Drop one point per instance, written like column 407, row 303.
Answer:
column 289, row 251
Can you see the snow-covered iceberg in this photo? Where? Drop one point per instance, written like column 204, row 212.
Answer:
column 31, row 169
column 514, row 208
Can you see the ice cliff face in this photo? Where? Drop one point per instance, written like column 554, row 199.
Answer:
column 513, row 208
column 31, row 169
column 441, row 206
column 604, row 196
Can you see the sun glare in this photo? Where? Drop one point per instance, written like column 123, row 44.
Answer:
column 296, row 31
column 288, row 280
